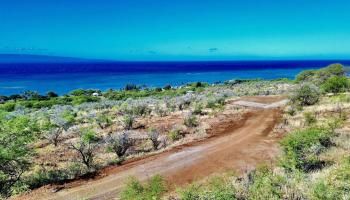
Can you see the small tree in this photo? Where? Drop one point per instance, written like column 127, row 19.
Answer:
column 51, row 94
column 119, row 143
column 15, row 153
column 86, row 146
column 130, row 86
column 59, row 123
column 167, row 87
column 153, row 136
column 305, row 95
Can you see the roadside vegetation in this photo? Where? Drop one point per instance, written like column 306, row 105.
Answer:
column 52, row 139
column 315, row 163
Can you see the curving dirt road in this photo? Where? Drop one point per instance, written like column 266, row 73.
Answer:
column 240, row 148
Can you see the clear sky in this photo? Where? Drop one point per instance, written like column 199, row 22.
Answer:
column 177, row 29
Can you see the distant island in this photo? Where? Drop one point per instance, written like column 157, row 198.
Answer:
column 28, row 58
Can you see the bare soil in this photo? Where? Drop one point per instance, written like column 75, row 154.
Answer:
column 232, row 145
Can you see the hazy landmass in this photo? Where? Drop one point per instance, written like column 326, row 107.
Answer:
column 27, row 58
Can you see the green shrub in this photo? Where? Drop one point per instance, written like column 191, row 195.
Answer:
column 152, row 190
column 130, row 86
column 103, row 120
column 302, row 147
column 174, row 135
column 128, row 121
column 191, row 121
column 198, row 109
column 192, row 192
column 320, row 76
column 220, row 188
column 51, row 94
column 86, row 147
column 291, row 110
column 336, row 84
column 44, row 177
column 167, row 87
column 84, row 99
column 306, row 76
column 265, row 184
column 8, row 106
column 310, row 118
column 335, row 185
column 305, row 95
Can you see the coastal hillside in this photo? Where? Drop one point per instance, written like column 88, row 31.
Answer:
column 241, row 139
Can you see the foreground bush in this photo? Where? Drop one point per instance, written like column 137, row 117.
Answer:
column 152, row 190
column 219, row 188
column 302, row 147
column 335, row 185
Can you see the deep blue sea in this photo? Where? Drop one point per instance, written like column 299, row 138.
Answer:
column 65, row 77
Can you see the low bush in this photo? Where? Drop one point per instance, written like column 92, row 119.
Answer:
column 265, row 184
column 152, row 190
column 305, row 95
column 128, row 121
column 335, row 185
column 8, row 106
column 192, row 192
column 191, row 120
column 174, row 135
column 336, row 84
column 310, row 118
column 301, row 149
column 198, row 109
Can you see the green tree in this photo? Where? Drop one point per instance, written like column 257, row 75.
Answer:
column 86, row 147
column 15, row 154
column 320, row 76
column 336, row 84
column 305, row 95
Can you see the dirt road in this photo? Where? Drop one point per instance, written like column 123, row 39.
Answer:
column 240, row 148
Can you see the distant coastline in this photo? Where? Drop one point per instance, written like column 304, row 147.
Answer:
column 64, row 77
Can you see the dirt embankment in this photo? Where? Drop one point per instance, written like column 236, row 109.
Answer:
column 235, row 146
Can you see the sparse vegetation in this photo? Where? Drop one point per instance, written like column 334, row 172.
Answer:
column 52, row 139
column 191, row 120
column 152, row 190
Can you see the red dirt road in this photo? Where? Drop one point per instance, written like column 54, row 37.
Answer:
column 239, row 147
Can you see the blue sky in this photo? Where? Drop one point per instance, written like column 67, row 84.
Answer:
column 177, row 29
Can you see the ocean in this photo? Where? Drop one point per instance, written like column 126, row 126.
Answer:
column 62, row 78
